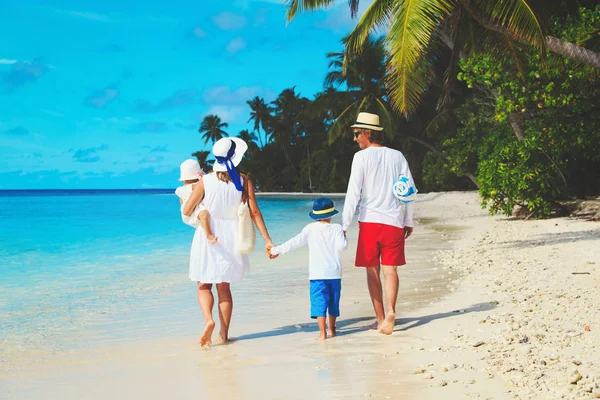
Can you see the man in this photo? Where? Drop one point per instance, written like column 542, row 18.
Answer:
column 383, row 222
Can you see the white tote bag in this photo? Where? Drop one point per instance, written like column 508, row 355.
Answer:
column 246, row 238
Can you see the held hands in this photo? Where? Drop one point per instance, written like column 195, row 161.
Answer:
column 408, row 230
column 268, row 248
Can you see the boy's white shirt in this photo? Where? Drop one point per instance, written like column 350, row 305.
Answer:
column 373, row 174
column 324, row 241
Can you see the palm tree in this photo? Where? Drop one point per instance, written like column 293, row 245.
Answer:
column 250, row 139
column 202, row 157
column 211, row 128
column 260, row 114
column 363, row 77
column 285, row 123
column 412, row 26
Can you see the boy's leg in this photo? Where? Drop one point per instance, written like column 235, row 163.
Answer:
column 318, row 305
column 206, row 301
column 335, row 293
column 204, row 219
column 332, row 327
column 322, row 328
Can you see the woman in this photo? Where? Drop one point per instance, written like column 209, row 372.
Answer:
column 220, row 263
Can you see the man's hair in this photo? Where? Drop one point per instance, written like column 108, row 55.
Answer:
column 376, row 137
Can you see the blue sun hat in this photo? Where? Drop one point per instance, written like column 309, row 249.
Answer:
column 405, row 190
column 323, row 208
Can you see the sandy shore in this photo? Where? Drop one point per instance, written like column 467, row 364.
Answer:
column 510, row 309
column 524, row 320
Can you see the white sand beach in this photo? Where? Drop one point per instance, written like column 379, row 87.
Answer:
column 489, row 307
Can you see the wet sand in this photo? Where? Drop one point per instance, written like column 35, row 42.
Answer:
column 274, row 354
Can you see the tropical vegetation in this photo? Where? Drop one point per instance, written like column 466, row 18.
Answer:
column 500, row 96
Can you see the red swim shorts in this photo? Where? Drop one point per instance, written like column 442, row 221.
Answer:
column 379, row 242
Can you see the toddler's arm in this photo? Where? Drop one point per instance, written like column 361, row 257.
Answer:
column 297, row 241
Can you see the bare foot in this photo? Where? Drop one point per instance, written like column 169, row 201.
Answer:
column 212, row 239
column 332, row 333
column 322, row 337
column 223, row 340
column 375, row 325
column 387, row 327
column 205, row 339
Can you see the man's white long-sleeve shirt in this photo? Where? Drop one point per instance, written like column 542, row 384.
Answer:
column 374, row 172
column 325, row 241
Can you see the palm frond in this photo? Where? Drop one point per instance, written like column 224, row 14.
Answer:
column 376, row 16
column 299, row 6
column 454, row 26
column 434, row 127
column 517, row 17
column 353, row 4
column 408, row 38
column 516, row 56
column 334, row 79
column 386, row 118
column 345, row 119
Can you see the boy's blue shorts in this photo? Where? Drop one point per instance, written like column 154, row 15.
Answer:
column 325, row 297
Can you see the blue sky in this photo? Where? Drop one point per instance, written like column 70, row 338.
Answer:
column 110, row 94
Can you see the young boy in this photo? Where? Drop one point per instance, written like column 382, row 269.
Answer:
column 325, row 240
column 191, row 173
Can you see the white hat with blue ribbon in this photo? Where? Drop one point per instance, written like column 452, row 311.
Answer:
column 228, row 154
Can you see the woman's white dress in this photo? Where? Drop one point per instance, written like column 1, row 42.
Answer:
column 220, row 262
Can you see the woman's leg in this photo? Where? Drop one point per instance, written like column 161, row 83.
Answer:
column 206, row 301
column 225, row 309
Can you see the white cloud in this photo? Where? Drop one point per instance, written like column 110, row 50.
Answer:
column 261, row 17
column 6, row 61
column 228, row 114
column 92, row 16
column 279, row 2
column 230, row 104
column 199, row 32
column 229, row 21
column 338, row 17
column 236, row 45
column 53, row 113
column 224, row 95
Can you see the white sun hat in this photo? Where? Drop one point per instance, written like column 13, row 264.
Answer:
column 222, row 147
column 189, row 170
column 367, row 121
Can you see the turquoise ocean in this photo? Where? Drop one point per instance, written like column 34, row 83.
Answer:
column 78, row 267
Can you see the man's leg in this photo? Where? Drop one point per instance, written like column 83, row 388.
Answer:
column 225, row 310
column 391, row 282
column 376, row 293
column 206, row 301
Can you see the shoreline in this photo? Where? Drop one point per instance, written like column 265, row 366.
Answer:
column 510, row 309
column 272, row 328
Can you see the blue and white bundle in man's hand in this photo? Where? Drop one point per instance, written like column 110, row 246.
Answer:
column 405, row 190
